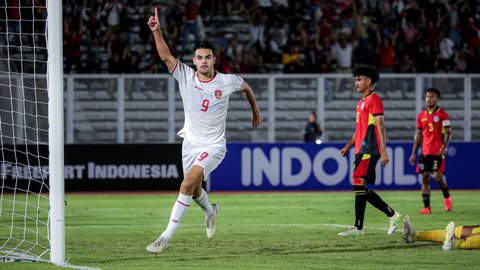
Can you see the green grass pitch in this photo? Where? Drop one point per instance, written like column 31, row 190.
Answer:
column 282, row 230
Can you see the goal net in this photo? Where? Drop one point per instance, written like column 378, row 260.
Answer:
column 26, row 219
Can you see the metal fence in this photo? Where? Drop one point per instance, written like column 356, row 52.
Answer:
column 143, row 108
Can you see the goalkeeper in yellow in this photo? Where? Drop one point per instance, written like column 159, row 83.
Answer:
column 462, row 237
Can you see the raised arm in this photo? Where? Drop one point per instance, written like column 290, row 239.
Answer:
column 162, row 48
column 257, row 118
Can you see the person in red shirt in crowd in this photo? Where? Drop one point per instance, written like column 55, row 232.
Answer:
column 13, row 21
column 472, row 33
column 386, row 56
column 190, row 25
column 434, row 131
column 71, row 48
column 345, row 10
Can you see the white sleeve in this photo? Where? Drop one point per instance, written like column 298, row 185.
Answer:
column 237, row 83
column 181, row 72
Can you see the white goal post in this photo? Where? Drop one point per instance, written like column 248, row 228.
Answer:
column 55, row 134
column 32, row 218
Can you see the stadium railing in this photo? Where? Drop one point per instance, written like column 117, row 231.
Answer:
column 146, row 108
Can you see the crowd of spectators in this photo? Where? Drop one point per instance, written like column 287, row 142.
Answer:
column 309, row 36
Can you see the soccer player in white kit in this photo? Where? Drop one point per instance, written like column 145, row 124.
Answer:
column 205, row 95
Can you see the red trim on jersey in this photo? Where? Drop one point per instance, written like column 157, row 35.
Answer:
column 175, row 67
column 207, row 81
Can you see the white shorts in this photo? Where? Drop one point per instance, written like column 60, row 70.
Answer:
column 207, row 157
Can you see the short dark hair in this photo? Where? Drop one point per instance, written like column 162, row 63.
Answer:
column 204, row 45
column 433, row 90
column 368, row 71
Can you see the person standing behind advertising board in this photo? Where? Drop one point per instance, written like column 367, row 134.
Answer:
column 312, row 131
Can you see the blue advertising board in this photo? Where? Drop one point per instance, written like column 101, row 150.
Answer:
column 300, row 166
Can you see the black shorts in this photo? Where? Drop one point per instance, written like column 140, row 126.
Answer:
column 364, row 167
column 430, row 163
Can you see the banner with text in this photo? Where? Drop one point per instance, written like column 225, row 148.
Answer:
column 299, row 166
column 97, row 167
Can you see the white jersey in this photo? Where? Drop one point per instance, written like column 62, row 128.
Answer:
column 205, row 104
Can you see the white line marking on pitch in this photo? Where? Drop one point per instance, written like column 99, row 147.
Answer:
column 226, row 225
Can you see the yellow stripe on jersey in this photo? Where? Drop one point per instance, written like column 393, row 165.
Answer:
column 371, row 119
column 366, row 156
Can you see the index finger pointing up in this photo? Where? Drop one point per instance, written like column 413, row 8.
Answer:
column 156, row 13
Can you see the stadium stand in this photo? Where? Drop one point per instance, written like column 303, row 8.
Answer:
column 261, row 31
column 112, row 39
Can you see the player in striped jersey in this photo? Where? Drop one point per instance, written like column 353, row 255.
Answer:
column 434, row 134
column 205, row 94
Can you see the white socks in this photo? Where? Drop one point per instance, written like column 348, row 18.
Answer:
column 202, row 200
column 178, row 212
column 180, row 209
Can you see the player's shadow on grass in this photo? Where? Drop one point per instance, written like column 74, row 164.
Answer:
column 312, row 249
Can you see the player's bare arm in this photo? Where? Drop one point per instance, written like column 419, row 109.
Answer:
column 349, row 144
column 257, row 118
column 416, row 142
column 162, row 48
column 447, row 138
column 382, row 135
